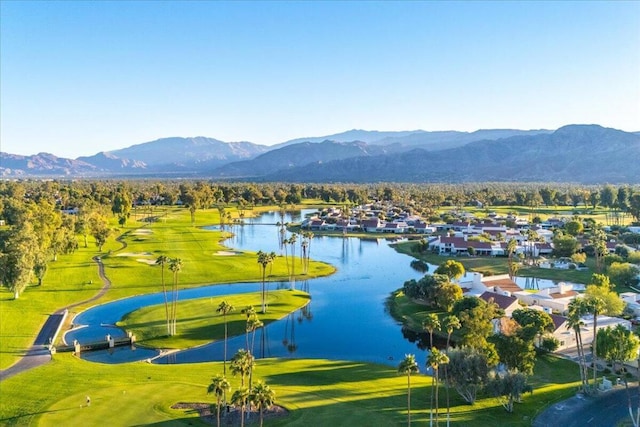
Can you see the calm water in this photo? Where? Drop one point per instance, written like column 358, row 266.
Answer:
column 346, row 318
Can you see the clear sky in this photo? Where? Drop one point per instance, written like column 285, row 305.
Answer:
column 82, row 77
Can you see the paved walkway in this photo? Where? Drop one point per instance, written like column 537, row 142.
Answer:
column 608, row 408
column 38, row 354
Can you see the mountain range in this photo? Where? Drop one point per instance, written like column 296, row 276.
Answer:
column 573, row 153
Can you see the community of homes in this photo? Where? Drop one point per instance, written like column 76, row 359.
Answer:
column 555, row 301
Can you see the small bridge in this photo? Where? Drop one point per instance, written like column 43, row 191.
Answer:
column 98, row 345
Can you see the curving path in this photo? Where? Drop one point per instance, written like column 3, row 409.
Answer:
column 38, row 354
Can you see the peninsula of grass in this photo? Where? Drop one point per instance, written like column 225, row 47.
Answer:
column 198, row 322
column 315, row 392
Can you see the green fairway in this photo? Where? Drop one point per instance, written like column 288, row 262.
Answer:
column 198, row 323
column 316, row 392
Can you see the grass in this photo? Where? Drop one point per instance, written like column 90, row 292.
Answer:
column 74, row 277
column 317, row 392
column 198, row 323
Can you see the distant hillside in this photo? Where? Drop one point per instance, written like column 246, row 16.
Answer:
column 297, row 155
column 190, row 152
column 368, row 136
column 442, row 140
column 431, row 140
column 575, row 153
column 14, row 165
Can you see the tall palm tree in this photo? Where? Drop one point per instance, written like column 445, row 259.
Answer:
column 264, row 259
column 262, row 397
column 292, row 241
column 175, row 265
column 304, row 244
column 577, row 309
column 596, row 306
column 253, row 324
column 309, row 237
column 225, row 308
column 435, row 359
column 431, row 323
column 450, row 323
column 239, row 398
column 162, row 260
column 219, row 386
column 408, row 366
column 250, row 312
column 512, row 245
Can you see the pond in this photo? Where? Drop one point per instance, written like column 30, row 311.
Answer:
column 345, row 319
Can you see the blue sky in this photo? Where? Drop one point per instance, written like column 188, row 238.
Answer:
column 82, row 77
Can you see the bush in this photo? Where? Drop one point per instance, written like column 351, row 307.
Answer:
column 549, row 344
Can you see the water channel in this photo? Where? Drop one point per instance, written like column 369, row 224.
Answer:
column 345, row 319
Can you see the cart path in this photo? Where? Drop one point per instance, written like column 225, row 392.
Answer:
column 38, row 354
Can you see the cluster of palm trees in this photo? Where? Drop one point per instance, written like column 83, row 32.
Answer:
column 409, row 366
column 175, row 266
column 259, row 396
column 305, row 249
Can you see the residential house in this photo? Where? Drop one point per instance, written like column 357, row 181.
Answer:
column 555, row 299
column 506, row 302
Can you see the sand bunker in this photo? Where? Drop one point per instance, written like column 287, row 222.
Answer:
column 142, row 232
column 146, row 261
column 132, row 254
column 227, row 253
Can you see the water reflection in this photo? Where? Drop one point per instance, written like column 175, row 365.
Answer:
column 345, row 319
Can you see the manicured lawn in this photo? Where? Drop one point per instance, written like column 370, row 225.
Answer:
column 317, row 392
column 198, row 323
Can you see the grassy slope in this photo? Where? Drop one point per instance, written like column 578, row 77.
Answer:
column 320, row 392
column 198, row 323
column 75, row 277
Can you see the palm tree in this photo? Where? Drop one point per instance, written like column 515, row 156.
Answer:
column 309, row 237
column 512, row 245
column 577, row 309
column 242, row 363
column 239, row 398
column 435, row 359
column 219, row 386
column 431, row 323
column 292, row 241
column 262, row 397
column 162, row 261
column 596, row 306
column 175, row 265
column 254, row 323
column 225, row 308
column 250, row 312
column 408, row 366
column 304, row 244
column 264, row 259
column 450, row 323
